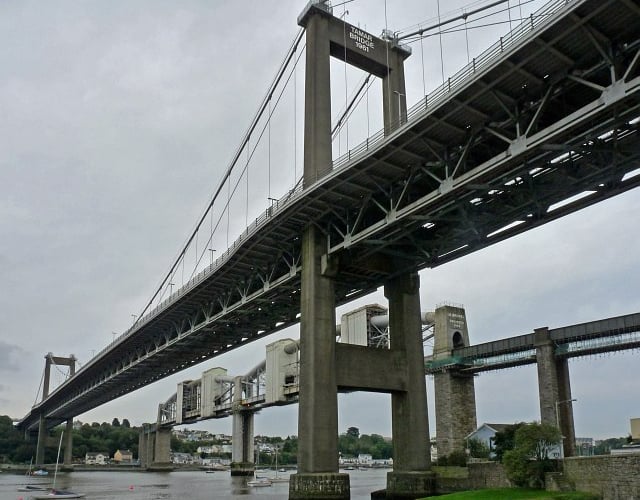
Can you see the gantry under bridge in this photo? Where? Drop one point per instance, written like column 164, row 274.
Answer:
column 542, row 124
column 275, row 380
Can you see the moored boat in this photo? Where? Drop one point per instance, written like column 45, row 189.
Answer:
column 58, row 494
column 259, row 482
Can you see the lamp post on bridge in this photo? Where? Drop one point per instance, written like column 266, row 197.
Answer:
column 558, row 403
column 211, row 252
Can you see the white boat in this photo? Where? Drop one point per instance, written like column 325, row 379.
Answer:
column 278, row 479
column 259, row 482
column 39, row 472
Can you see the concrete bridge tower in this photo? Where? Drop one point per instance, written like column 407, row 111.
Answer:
column 324, row 367
column 42, row 427
column 454, row 391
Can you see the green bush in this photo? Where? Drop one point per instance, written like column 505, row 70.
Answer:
column 456, row 458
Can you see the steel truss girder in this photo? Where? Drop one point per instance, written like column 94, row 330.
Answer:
column 518, row 153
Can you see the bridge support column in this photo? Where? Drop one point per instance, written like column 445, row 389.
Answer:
column 242, row 452
column 454, row 392
column 554, row 388
column 68, row 444
column 318, row 476
column 162, row 448
column 411, row 477
column 42, row 440
column 146, row 445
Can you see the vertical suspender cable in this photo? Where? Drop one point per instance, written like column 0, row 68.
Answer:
column 509, row 11
column 295, row 120
column 440, row 36
column 520, row 9
column 246, row 211
column 386, row 29
column 424, row 81
column 211, row 229
column 368, row 128
column 466, row 35
column 269, row 153
column 40, row 386
column 228, row 206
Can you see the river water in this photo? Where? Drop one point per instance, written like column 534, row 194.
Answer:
column 183, row 485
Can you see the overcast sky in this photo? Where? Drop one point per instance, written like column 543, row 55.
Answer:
column 117, row 121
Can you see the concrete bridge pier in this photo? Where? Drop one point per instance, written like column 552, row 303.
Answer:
column 318, row 476
column 242, row 452
column 42, row 440
column 154, row 447
column 146, row 445
column 411, row 477
column 554, row 387
column 68, row 444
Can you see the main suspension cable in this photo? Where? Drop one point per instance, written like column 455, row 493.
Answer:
column 281, row 71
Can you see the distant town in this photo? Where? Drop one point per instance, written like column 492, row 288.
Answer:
column 116, row 444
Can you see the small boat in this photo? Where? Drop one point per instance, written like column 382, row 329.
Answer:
column 53, row 492
column 58, row 494
column 40, row 472
column 32, row 487
column 259, row 482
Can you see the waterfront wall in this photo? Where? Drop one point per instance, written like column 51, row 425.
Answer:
column 475, row 476
column 610, row 477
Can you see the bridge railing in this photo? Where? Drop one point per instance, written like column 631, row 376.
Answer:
column 465, row 76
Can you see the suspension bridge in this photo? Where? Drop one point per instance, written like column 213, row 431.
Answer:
column 540, row 125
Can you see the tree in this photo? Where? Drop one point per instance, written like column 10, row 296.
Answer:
column 504, row 440
column 126, row 424
column 478, row 449
column 353, row 432
column 528, row 461
column 115, row 423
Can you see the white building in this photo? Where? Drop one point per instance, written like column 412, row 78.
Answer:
column 182, row 458
column 486, row 434
column 96, row 458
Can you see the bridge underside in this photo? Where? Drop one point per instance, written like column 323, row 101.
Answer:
column 550, row 113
